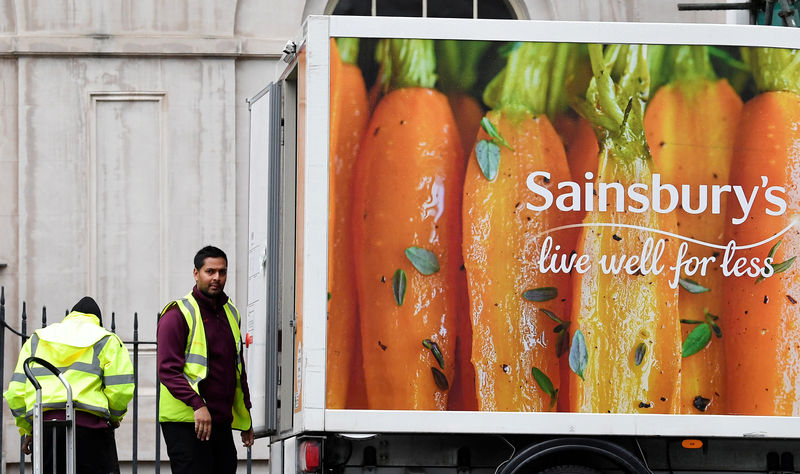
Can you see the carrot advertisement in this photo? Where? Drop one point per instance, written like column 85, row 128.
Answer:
column 617, row 235
column 763, row 373
column 349, row 115
column 406, row 228
column 515, row 309
column 687, row 149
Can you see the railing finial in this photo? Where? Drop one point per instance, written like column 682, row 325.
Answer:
column 24, row 319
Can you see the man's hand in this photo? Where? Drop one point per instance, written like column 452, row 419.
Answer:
column 248, row 437
column 114, row 424
column 26, row 444
column 202, row 423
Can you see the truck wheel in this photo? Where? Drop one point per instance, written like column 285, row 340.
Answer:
column 569, row 469
column 552, row 451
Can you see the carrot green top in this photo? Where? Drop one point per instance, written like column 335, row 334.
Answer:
column 406, row 63
column 690, row 63
column 616, row 98
column 458, row 63
column 348, row 49
column 774, row 69
column 657, row 66
column 532, row 80
column 684, row 66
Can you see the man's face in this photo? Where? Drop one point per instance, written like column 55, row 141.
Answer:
column 211, row 277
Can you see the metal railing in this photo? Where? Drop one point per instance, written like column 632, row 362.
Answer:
column 134, row 344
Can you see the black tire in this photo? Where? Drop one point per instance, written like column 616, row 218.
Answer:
column 570, row 469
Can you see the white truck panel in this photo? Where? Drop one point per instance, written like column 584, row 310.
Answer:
column 563, row 31
column 311, row 415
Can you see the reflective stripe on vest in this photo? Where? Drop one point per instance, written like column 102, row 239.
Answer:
column 92, row 368
column 196, row 365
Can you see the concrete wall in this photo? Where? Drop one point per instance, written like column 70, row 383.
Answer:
column 123, row 149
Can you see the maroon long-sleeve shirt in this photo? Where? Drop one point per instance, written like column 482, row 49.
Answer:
column 218, row 388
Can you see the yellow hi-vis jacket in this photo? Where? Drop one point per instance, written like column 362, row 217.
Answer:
column 94, row 361
column 196, row 367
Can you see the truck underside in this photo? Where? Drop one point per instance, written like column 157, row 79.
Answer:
column 517, row 454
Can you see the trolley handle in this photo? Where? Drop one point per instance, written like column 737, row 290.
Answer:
column 37, row 415
column 29, row 373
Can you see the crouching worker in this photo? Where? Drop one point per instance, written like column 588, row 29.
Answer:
column 98, row 368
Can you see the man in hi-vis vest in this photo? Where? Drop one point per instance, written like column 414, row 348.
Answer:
column 98, row 368
column 203, row 388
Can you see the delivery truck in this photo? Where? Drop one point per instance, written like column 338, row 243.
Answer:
column 522, row 246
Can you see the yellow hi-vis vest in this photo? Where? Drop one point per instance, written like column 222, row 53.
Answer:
column 94, row 361
column 196, row 367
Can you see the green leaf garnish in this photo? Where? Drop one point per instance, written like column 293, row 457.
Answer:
column 434, row 348
column 711, row 321
column 696, row 340
column 329, row 296
column 774, row 249
column 423, row 260
column 641, row 350
column 399, row 286
column 543, row 380
column 440, row 379
column 783, row 266
column 545, row 293
column 778, row 267
column 545, row 384
column 578, row 356
column 553, row 316
column 488, row 155
column 692, row 286
column 691, row 321
column 494, row 133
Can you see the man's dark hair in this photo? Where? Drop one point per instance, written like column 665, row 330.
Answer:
column 209, row 251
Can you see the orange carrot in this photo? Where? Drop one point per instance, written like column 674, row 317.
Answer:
column 348, row 121
column 580, row 144
column 762, row 331
column 690, row 125
column 407, row 200
column 514, row 307
column 457, row 63
column 625, row 351
column 468, row 114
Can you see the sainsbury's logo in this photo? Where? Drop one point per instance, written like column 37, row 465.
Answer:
column 660, row 197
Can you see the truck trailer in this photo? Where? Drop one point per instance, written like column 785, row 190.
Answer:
column 525, row 246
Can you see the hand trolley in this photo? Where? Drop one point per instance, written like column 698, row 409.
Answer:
column 38, row 417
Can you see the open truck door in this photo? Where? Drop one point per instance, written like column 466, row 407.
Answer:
column 269, row 326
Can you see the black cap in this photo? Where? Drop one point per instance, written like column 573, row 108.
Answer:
column 88, row 305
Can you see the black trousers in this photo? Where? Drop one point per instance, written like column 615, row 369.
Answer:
column 189, row 455
column 95, row 451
